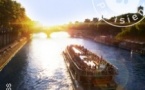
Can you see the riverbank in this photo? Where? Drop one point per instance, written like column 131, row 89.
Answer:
column 132, row 46
column 9, row 51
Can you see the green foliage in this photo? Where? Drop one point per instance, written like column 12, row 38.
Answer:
column 136, row 32
column 13, row 17
column 95, row 27
column 99, row 27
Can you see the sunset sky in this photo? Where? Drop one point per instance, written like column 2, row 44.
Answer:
column 53, row 12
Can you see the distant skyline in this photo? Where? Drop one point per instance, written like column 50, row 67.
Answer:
column 58, row 12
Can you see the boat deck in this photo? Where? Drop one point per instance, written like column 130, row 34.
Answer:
column 90, row 62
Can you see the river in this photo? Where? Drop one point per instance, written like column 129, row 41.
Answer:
column 39, row 65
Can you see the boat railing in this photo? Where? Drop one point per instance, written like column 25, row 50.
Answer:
column 81, row 48
column 73, row 61
column 85, row 72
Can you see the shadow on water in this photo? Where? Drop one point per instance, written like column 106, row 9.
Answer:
column 13, row 72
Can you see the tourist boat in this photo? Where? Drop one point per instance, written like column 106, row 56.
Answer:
column 88, row 71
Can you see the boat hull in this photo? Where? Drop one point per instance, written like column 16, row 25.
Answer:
column 83, row 82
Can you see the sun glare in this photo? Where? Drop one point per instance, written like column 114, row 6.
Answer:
column 59, row 35
column 40, row 35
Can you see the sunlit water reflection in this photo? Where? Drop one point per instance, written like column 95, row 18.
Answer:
column 40, row 65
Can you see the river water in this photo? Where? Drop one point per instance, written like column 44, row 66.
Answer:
column 39, row 65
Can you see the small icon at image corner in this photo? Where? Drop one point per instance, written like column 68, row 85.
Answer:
column 8, row 86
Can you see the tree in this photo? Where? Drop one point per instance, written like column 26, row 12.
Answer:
column 13, row 20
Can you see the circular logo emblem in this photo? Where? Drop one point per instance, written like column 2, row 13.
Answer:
column 120, row 13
